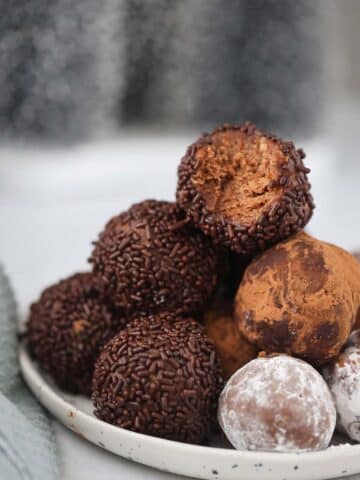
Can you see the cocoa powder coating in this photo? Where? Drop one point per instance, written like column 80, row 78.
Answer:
column 301, row 297
column 232, row 347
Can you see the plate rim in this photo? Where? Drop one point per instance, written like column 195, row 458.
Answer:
column 35, row 380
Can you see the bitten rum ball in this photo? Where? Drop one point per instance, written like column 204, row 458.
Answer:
column 300, row 297
column 232, row 347
column 343, row 378
column 148, row 259
column 159, row 376
column 279, row 404
column 244, row 188
column 66, row 328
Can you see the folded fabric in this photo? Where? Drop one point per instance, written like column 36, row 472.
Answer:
column 27, row 445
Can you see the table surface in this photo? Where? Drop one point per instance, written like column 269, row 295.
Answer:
column 54, row 201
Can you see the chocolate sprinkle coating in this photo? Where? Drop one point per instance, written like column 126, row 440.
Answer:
column 67, row 327
column 288, row 211
column 159, row 376
column 148, row 259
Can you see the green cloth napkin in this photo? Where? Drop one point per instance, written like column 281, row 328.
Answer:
column 27, row 445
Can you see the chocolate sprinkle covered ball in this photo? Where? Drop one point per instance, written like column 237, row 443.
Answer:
column 159, row 376
column 244, row 188
column 149, row 260
column 66, row 328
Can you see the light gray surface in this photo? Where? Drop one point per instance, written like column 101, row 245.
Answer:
column 54, row 202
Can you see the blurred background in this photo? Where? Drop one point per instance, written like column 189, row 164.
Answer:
column 99, row 100
column 72, row 70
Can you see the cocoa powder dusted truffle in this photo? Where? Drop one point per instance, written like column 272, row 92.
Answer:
column 232, row 347
column 149, row 260
column 277, row 404
column 66, row 328
column 300, row 297
column 159, row 376
column 244, row 188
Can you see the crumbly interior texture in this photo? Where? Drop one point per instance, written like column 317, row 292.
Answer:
column 300, row 297
column 277, row 404
column 238, row 174
column 232, row 347
column 244, row 188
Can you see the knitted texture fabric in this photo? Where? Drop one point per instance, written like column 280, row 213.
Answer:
column 27, row 445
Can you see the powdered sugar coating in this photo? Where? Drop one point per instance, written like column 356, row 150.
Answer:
column 343, row 378
column 277, row 404
column 354, row 339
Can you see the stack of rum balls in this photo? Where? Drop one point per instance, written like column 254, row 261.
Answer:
column 214, row 310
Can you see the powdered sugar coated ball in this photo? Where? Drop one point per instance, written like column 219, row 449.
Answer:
column 343, row 378
column 278, row 404
column 354, row 339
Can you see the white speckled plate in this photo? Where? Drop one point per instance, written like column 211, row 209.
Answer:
column 191, row 460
